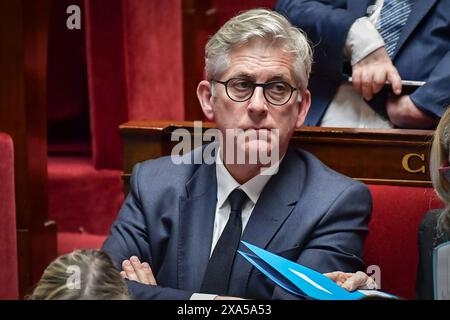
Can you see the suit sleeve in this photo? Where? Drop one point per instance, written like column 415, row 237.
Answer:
column 327, row 24
column 426, row 239
column 337, row 244
column 128, row 237
column 434, row 97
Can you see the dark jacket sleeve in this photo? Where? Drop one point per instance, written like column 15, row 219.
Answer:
column 327, row 24
column 128, row 237
column 337, row 244
column 426, row 238
column 434, row 97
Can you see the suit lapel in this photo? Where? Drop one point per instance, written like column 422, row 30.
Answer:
column 196, row 227
column 419, row 10
column 274, row 206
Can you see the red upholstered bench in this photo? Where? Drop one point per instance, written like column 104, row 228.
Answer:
column 9, row 284
column 83, row 201
column 392, row 240
column 69, row 241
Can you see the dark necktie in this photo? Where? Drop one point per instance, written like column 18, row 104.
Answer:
column 217, row 275
column 393, row 17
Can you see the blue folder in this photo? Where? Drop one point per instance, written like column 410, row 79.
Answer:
column 298, row 279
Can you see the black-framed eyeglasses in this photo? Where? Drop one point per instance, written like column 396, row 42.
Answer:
column 277, row 93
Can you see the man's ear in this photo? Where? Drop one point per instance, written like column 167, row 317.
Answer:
column 303, row 108
column 204, row 95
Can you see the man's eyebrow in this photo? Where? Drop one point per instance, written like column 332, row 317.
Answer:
column 244, row 75
column 276, row 77
column 279, row 78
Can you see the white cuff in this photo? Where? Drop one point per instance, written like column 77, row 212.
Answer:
column 362, row 39
column 203, row 296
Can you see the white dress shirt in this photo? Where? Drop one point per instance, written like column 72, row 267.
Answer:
column 225, row 185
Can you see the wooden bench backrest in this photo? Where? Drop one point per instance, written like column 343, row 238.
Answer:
column 393, row 157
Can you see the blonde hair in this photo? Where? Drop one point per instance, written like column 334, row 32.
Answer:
column 440, row 157
column 264, row 24
column 81, row 275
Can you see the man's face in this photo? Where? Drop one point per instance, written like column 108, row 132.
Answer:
column 259, row 63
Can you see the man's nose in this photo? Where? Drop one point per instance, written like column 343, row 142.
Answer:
column 258, row 103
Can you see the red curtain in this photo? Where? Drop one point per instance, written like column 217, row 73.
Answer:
column 153, row 55
column 106, row 79
column 9, row 288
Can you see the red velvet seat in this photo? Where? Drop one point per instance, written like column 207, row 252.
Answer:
column 83, row 201
column 392, row 240
column 9, row 285
column 82, row 198
column 69, row 241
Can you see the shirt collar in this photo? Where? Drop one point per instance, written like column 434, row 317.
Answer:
column 226, row 183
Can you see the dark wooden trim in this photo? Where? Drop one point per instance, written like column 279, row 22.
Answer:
column 372, row 156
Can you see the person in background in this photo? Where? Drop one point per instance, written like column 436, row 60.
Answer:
column 81, row 275
column 435, row 226
column 375, row 42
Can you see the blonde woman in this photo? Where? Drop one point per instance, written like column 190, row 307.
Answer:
column 435, row 227
column 81, row 275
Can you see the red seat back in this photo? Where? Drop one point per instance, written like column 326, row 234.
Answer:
column 9, row 288
column 392, row 241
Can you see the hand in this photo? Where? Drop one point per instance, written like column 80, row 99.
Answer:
column 134, row 270
column 352, row 281
column 404, row 114
column 370, row 74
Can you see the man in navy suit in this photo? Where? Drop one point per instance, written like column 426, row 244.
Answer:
column 374, row 42
column 177, row 216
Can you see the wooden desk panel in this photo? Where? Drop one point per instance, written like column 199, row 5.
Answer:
column 394, row 157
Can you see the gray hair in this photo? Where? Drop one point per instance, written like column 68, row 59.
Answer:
column 440, row 156
column 264, row 24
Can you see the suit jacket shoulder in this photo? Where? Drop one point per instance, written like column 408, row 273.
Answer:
column 166, row 175
column 325, row 181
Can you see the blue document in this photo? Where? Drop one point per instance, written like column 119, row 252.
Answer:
column 300, row 280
